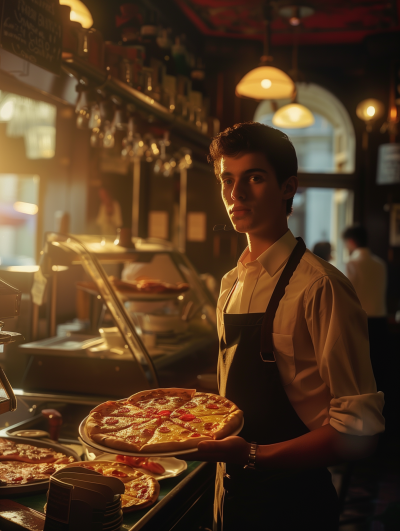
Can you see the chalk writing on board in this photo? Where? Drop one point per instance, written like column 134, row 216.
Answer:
column 32, row 30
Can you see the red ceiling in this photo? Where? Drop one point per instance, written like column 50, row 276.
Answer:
column 334, row 21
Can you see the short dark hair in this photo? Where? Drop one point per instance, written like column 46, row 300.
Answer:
column 358, row 233
column 323, row 250
column 253, row 137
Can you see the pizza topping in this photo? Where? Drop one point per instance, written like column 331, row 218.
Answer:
column 122, row 410
column 151, row 410
column 196, row 420
column 212, row 406
column 148, row 431
column 161, row 401
column 190, row 404
column 164, row 413
column 112, row 421
column 186, row 432
column 181, row 411
column 195, row 435
column 164, row 429
column 133, row 439
column 210, row 425
column 118, row 474
column 187, row 416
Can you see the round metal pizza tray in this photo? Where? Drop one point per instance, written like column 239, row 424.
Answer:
column 39, row 486
column 85, row 438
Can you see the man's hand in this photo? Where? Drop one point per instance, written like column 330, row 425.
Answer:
column 234, row 450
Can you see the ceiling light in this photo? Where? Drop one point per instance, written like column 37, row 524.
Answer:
column 293, row 116
column 79, row 12
column 265, row 83
column 26, row 208
column 370, row 109
column 294, row 21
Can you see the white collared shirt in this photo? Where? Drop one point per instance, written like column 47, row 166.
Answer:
column 320, row 337
column 367, row 273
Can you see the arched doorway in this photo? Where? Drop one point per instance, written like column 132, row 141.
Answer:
column 321, row 212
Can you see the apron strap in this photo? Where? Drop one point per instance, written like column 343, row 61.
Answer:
column 267, row 353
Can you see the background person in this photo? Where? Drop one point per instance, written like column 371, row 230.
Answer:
column 367, row 273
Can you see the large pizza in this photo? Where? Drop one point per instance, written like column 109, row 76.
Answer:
column 163, row 420
column 21, row 464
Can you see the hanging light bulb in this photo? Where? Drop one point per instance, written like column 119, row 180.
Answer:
column 265, row 82
column 79, row 12
column 293, row 116
column 370, row 109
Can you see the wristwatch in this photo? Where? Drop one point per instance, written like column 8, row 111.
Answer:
column 251, row 463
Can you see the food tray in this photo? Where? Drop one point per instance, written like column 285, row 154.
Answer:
column 39, row 486
column 85, row 438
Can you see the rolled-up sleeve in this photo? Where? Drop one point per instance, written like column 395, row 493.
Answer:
column 339, row 332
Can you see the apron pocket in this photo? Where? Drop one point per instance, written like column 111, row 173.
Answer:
column 284, row 354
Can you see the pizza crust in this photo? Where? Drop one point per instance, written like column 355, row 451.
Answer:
column 229, row 424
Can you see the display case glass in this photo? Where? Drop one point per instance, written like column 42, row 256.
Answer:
column 142, row 304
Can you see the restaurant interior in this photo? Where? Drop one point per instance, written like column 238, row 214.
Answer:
column 113, row 235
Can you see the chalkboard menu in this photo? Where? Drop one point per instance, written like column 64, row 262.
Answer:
column 32, row 30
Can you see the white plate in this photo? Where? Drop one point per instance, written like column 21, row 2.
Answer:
column 85, row 438
column 173, row 467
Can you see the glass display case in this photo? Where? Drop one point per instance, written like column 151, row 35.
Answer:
column 143, row 318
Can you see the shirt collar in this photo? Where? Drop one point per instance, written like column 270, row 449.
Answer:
column 275, row 256
column 361, row 251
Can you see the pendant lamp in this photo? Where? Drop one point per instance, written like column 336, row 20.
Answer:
column 79, row 12
column 294, row 115
column 265, row 82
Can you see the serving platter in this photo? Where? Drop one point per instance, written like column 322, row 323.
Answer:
column 39, row 486
column 173, row 467
column 86, row 439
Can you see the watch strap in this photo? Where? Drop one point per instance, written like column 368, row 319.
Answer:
column 251, row 463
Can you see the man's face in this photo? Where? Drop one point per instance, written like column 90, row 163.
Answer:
column 252, row 196
column 351, row 245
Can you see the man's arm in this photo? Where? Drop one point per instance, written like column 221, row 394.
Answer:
column 322, row 447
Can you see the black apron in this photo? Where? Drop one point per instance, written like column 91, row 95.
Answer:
column 248, row 375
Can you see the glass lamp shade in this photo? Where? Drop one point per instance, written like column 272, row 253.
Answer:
column 370, row 109
column 79, row 12
column 265, row 83
column 293, row 116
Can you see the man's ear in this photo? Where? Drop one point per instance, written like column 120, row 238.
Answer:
column 290, row 187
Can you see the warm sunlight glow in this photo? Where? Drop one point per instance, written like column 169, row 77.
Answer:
column 26, row 208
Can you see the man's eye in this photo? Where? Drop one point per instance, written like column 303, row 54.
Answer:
column 226, row 182
column 255, row 178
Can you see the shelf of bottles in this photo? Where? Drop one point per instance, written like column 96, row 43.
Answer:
column 146, row 70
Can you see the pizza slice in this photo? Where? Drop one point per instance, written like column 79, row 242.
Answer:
column 140, row 493
column 97, row 423
column 132, row 438
column 116, row 408
column 216, row 426
column 204, row 405
column 157, row 400
column 171, row 437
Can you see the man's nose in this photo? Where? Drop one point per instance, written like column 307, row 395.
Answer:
column 238, row 191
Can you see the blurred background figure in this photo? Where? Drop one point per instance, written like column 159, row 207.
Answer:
column 367, row 273
column 323, row 250
column 109, row 218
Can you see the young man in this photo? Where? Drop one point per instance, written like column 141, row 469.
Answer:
column 294, row 353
